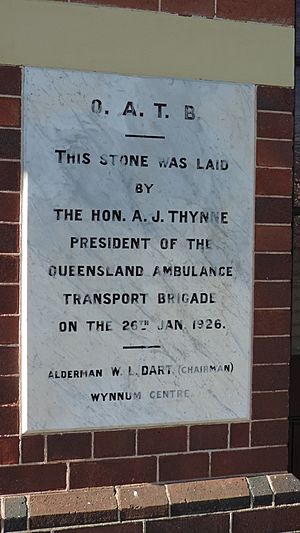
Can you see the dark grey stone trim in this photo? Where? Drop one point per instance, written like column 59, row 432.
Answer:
column 260, row 490
column 15, row 513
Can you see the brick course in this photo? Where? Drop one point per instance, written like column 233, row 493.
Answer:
column 259, row 503
column 269, row 11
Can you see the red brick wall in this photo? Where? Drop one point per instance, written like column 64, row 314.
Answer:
column 275, row 11
column 41, row 462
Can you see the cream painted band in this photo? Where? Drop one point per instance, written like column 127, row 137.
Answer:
column 73, row 36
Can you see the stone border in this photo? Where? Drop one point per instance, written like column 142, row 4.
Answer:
column 120, row 504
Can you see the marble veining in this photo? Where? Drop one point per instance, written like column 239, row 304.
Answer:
column 137, row 250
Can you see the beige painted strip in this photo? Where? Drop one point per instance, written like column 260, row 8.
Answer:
column 73, row 36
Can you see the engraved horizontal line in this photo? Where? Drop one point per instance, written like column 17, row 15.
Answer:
column 141, row 347
column 144, row 136
column 9, row 192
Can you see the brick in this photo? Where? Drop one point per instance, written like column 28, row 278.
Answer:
column 32, row 478
column 269, row 405
column 260, row 490
column 267, row 11
column 69, row 446
column 273, row 181
column 142, row 501
column 274, row 520
column 272, row 267
column 10, row 80
column 275, row 98
column 9, row 450
column 218, row 523
column 251, row 461
column 114, row 528
column 272, row 294
column 9, row 420
column 270, row 377
column 15, row 513
column 271, row 350
column 273, row 210
column 9, row 207
column 161, row 440
column 9, row 269
column 10, row 112
column 208, row 437
column 270, row 321
column 9, row 176
column 113, row 472
column 9, row 329
column 274, row 125
column 274, row 153
column 9, row 299
column 9, row 389
column 239, row 435
column 9, row 360
column 72, row 508
column 33, row 449
column 10, row 144
column 286, row 488
column 9, row 237
column 269, row 432
column 210, row 496
column 114, row 443
column 205, row 8
column 178, row 467
column 151, row 5
column 273, row 238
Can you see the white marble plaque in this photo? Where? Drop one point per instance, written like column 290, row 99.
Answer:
column 137, row 250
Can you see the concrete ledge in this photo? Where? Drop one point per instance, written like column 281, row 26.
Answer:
column 143, row 43
column 211, row 502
